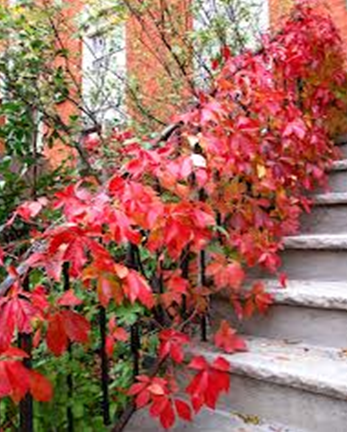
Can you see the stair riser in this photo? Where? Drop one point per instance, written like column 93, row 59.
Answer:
column 343, row 150
column 293, row 407
column 310, row 265
column 322, row 327
column 337, row 181
column 315, row 264
column 325, row 219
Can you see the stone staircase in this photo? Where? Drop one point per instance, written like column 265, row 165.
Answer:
column 295, row 371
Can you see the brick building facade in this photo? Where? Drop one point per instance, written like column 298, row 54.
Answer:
column 161, row 83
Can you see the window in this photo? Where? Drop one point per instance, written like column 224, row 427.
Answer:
column 104, row 74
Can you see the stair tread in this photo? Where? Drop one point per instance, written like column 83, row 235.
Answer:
column 311, row 293
column 208, row 421
column 317, row 241
column 330, row 198
column 312, row 368
column 341, row 140
column 339, row 165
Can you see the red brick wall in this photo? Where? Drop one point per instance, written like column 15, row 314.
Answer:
column 162, row 84
column 74, row 46
column 147, row 58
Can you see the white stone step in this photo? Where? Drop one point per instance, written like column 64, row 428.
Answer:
column 337, row 179
column 331, row 198
column 317, row 242
column 316, row 294
column 208, row 421
column 343, row 148
column 312, row 312
column 339, row 165
column 341, row 140
column 328, row 215
column 299, row 385
column 315, row 256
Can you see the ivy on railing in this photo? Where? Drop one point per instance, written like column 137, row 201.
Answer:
column 175, row 224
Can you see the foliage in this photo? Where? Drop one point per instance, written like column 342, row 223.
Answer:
column 33, row 86
column 132, row 251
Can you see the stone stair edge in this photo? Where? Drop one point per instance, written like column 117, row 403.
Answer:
column 316, row 242
column 340, row 140
column 218, row 420
column 315, row 294
column 339, row 165
column 330, row 198
column 310, row 368
column 312, row 294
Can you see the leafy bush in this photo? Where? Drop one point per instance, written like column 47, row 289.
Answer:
column 126, row 274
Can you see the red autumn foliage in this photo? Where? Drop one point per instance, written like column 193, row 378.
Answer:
column 210, row 381
column 227, row 339
column 229, row 185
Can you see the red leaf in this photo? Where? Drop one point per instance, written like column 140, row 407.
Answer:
column 258, row 299
column 209, row 382
column 142, row 399
column 56, row 337
column 137, row 388
column 283, row 280
column 136, row 288
column 120, row 334
column 40, row 387
column 2, row 256
column 198, row 363
column 76, row 326
column 226, row 275
column 69, row 299
column 5, row 384
column 167, row 416
column 158, row 405
column 156, row 389
column 172, row 343
column 15, row 352
column 30, row 209
column 109, row 346
column 183, row 410
column 19, row 379
column 227, row 339
column 221, row 364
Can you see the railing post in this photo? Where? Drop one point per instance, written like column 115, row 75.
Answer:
column 26, row 410
column 135, row 341
column 105, row 378
column 69, row 378
column 202, row 277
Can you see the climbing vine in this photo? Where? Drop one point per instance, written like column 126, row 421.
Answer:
column 135, row 255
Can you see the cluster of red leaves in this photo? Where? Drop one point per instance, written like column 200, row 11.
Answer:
column 233, row 182
column 156, row 392
column 16, row 380
column 26, row 313
column 160, row 394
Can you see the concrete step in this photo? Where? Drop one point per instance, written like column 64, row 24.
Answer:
column 341, row 140
column 315, row 256
column 338, row 176
column 208, row 421
column 342, row 150
column 312, row 312
column 299, row 385
column 328, row 215
column 341, row 143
